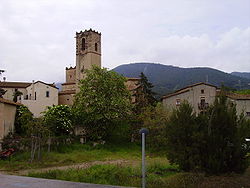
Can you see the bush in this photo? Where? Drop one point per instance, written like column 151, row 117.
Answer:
column 58, row 119
column 155, row 119
column 212, row 142
column 183, row 138
column 22, row 119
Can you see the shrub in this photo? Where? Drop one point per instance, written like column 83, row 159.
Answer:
column 59, row 119
column 22, row 119
column 155, row 119
column 213, row 142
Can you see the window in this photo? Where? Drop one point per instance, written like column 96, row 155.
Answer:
column 47, row 93
column 83, row 43
column 35, row 95
column 248, row 113
column 203, row 101
column 96, row 47
column 30, row 97
column 202, row 91
column 178, row 102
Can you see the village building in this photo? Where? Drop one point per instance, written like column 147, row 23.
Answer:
column 88, row 53
column 202, row 95
column 7, row 117
column 37, row 96
column 199, row 95
column 242, row 103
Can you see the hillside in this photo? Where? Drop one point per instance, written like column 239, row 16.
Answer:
column 168, row 78
column 242, row 74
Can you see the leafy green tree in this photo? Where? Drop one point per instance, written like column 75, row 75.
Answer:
column 58, row 119
column 22, row 119
column 145, row 95
column 155, row 118
column 103, row 100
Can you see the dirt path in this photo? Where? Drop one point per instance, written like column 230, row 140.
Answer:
column 75, row 166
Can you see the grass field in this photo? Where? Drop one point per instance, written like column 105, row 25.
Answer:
column 73, row 154
column 159, row 172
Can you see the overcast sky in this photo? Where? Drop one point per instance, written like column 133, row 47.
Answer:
column 37, row 36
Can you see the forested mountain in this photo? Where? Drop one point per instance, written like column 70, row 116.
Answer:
column 167, row 78
column 242, row 74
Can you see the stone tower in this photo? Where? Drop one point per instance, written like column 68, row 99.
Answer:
column 88, row 51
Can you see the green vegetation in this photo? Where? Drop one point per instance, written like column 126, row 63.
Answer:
column 16, row 95
column 58, row 119
column 145, row 95
column 2, row 92
column 155, row 118
column 22, row 119
column 113, row 174
column 73, row 154
column 244, row 92
column 211, row 142
column 103, row 102
column 167, row 79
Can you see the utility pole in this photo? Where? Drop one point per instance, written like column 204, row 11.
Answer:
column 143, row 133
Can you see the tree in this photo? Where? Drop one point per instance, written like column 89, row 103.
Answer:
column 145, row 95
column 22, row 119
column 103, row 100
column 213, row 142
column 183, row 138
column 2, row 92
column 58, row 119
column 38, row 133
column 225, row 151
column 155, row 118
column 16, row 94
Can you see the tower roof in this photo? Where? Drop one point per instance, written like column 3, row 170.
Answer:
column 87, row 32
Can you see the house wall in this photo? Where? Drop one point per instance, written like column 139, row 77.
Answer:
column 10, row 92
column 193, row 95
column 7, row 119
column 242, row 106
column 68, row 87
column 66, row 99
column 70, row 75
column 37, row 101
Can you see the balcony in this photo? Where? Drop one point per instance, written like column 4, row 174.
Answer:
column 203, row 106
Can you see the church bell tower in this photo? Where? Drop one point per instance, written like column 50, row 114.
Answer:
column 88, row 51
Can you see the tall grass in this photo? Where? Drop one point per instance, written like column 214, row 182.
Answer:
column 72, row 154
column 113, row 175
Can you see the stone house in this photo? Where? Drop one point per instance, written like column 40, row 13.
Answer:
column 7, row 117
column 242, row 103
column 35, row 95
column 201, row 95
